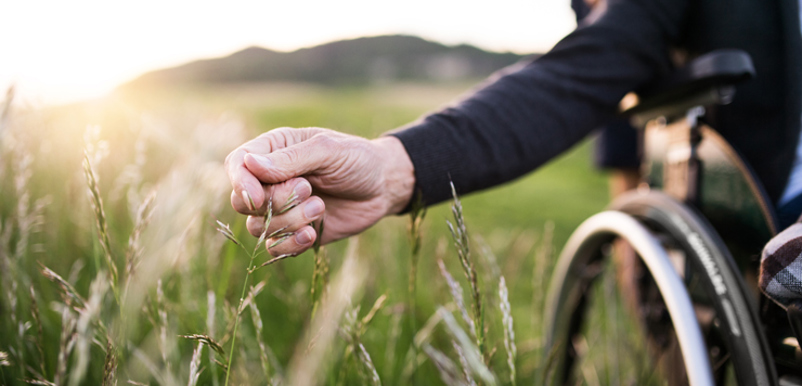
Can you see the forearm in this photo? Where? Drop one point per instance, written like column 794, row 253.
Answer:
column 525, row 118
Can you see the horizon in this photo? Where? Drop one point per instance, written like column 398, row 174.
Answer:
column 85, row 49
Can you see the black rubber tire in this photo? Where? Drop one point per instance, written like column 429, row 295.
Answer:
column 712, row 269
column 710, row 262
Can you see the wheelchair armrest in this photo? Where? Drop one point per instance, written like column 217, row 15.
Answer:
column 706, row 80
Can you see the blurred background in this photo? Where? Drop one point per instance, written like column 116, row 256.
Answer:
column 66, row 51
column 114, row 127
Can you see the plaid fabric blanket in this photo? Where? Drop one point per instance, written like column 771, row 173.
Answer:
column 781, row 266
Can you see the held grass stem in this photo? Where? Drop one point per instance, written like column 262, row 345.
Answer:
column 226, row 231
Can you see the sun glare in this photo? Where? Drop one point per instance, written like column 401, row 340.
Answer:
column 64, row 51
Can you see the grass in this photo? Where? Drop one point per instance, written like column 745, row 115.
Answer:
column 182, row 286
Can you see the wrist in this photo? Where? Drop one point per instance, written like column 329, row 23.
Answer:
column 399, row 174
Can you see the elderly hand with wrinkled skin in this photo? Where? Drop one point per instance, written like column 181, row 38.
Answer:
column 314, row 173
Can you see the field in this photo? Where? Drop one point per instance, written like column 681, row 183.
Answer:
column 154, row 160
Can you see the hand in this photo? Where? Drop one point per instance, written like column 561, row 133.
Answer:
column 355, row 183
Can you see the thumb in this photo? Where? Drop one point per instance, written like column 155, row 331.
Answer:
column 293, row 161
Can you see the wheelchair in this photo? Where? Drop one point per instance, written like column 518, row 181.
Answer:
column 663, row 284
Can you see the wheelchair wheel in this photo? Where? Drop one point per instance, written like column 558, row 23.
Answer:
column 683, row 318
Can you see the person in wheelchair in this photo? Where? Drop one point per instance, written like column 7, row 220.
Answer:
column 525, row 115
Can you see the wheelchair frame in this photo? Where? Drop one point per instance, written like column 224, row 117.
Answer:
column 688, row 216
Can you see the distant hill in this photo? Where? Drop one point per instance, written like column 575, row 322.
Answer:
column 363, row 60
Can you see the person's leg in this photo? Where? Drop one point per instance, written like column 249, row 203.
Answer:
column 781, row 262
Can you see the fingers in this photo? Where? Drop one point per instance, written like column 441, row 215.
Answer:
column 294, row 243
column 291, row 220
column 247, row 188
column 284, row 195
column 317, row 153
column 245, row 184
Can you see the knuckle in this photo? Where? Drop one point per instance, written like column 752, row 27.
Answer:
column 326, row 142
column 288, row 157
column 284, row 135
column 229, row 158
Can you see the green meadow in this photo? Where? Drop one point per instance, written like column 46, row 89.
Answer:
column 169, row 314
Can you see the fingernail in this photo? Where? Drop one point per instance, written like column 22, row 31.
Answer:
column 247, row 198
column 313, row 209
column 303, row 238
column 303, row 189
column 261, row 160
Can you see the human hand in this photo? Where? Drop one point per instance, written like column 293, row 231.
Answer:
column 355, row 182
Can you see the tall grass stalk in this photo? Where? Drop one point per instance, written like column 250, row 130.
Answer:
column 353, row 330
column 456, row 294
column 266, row 356
column 211, row 300
column 416, row 216
column 162, row 324
column 473, row 355
column 541, row 271
column 85, row 332
column 309, row 363
column 132, row 255
column 226, row 231
column 464, row 363
column 215, row 350
column 392, row 342
column 4, row 362
column 194, row 365
column 320, row 274
column 66, row 344
column 25, row 220
column 40, row 336
column 449, row 373
column 509, row 332
column 101, row 223
column 459, row 233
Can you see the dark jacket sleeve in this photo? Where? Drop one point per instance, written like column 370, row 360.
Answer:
column 520, row 120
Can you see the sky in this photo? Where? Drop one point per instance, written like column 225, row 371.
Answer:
column 59, row 51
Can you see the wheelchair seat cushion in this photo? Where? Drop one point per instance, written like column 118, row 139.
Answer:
column 781, row 266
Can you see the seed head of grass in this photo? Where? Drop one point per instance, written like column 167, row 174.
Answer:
column 320, row 274
column 459, row 233
column 143, row 217
column 207, row 340
column 100, row 219
column 466, row 370
column 110, row 365
column 66, row 343
column 69, row 294
column 225, row 230
column 377, row 306
column 38, row 382
column 273, row 261
column 456, row 294
column 281, row 239
column 353, row 330
column 4, row 361
column 194, row 365
column 291, row 203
